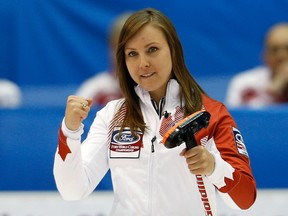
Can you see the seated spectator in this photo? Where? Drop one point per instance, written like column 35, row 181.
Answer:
column 10, row 94
column 268, row 84
column 103, row 86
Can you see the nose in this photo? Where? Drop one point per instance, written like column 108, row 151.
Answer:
column 144, row 62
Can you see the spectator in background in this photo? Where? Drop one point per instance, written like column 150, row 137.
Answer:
column 10, row 94
column 104, row 87
column 268, row 84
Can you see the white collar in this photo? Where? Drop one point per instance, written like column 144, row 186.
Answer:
column 172, row 93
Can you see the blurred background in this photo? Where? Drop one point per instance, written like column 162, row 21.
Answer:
column 49, row 47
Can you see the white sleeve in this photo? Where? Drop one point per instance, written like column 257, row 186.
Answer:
column 83, row 168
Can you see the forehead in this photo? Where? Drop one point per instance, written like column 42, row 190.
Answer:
column 278, row 36
column 149, row 33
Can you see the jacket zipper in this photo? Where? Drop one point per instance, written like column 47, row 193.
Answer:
column 151, row 177
column 152, row 144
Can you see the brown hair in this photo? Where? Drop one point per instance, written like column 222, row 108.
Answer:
column 190, row 91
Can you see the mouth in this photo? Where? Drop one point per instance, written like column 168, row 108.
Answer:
column 147, row 75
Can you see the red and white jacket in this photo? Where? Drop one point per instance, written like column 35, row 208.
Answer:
column 250, row 89
column 157, row 182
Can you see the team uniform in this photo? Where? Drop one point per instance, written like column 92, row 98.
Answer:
column 149, row 179
column 249, row 88
column 102, row 88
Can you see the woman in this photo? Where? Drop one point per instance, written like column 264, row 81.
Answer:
column 126, row 135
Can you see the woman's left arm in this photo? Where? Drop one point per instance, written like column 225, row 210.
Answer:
column 232, row 174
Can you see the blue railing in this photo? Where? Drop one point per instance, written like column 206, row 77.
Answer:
column 28, row 140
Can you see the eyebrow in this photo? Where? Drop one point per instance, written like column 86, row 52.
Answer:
column 149, row 44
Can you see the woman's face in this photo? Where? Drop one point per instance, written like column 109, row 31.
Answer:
column 148, row 60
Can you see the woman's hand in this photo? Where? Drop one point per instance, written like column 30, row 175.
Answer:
column 77, row 109
column 199, row 160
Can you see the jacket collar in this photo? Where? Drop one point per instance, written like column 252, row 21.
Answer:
column 172, row 93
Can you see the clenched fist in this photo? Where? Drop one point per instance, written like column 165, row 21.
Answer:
column 77, row 109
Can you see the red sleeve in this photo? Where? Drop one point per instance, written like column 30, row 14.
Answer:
column 229, row 142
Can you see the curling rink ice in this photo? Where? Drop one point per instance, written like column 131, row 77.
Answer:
column 268, row 203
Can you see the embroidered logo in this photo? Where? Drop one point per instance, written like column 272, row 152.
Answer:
column 239, row 142
column 124, row 144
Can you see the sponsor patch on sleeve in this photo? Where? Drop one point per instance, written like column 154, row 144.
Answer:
column 239, row 142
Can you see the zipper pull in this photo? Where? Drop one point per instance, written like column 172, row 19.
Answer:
column 152, row 144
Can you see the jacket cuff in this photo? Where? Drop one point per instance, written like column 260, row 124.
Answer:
column 221, row 171
column 75, row 135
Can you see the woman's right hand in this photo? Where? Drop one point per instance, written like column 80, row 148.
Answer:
column 77, row 109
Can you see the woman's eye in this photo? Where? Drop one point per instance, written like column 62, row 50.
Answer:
column 152, row 49
column 132, row 53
